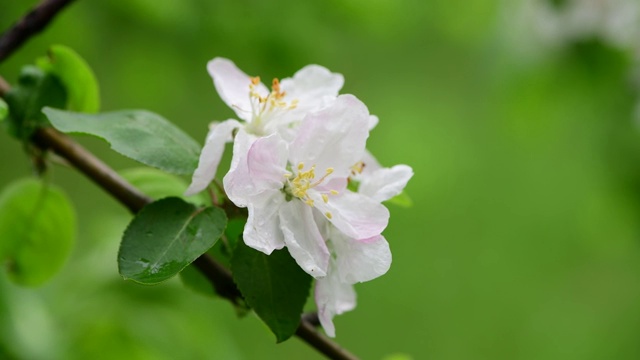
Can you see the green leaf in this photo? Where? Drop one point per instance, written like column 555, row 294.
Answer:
column 273, row 285
column 35, row 90
column 4, row 110
column 37, row 230
column 138, row 134
column 165, row 237
column 401, row 199
column 73, row 71
column 158, row 184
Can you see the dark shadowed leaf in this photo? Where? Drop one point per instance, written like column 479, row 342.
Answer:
column 37, row 230
column 273, row 285
column 76, row 76
column 138, row 134
column 35, row 90
column 165, row 237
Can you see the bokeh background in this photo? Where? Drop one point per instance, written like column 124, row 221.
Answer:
column 524, row 238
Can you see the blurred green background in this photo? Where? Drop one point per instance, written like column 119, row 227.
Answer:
column 524, row 239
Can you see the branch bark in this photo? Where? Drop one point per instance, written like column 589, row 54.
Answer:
column 109, row 180
column 32, row 23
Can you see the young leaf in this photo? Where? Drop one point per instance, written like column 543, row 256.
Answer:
column 35, row 89
column 76, row 75
column 165, row 237
column 37, row 230
column 158, row 184
column 273, row 285
column 401, row 199
column 138, row 134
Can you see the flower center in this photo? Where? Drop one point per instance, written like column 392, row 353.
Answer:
column 264, row 105
column 305, row 181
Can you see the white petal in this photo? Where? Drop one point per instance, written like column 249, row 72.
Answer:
column 370, row 163
column 360, row 260
column 356, row 215
column 237, row 182
column 310, row 85
column 303, row 238
column 233, row 86
column 267, row 162
column 373, row 121
column 334, row 137
column 333, row 298
column 383, row 184
column 219, row 135
column 262, row 231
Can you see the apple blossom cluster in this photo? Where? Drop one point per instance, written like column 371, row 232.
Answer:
column 300, row 167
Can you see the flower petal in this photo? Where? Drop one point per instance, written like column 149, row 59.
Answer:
column 262, row 231
column 356, row 215
column 237, row 183
column 233, row 86
column 267, row 162
column 333, row 297
column 383, row 184
column 360, row 260
column 334, row 137
column 310, row 85
column 219, row 135
column 303, row 238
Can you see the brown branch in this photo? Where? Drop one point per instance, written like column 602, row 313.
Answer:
column 129, row 196
column 34, row 22
column 94, row 168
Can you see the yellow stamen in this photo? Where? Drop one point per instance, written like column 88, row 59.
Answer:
column 328, row 215
column 325, row 198
column 334, row 192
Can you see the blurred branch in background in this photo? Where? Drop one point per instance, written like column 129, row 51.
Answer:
column 32, row 23
column 109, row 180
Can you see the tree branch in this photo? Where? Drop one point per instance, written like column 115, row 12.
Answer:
column 36, row 20
column 109, row 180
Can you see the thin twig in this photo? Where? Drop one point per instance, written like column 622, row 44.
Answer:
column 308, row 333
column 34, row 22
column 93, row 167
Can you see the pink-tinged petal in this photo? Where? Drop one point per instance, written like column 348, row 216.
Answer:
column 333, row 297
column 360, row 260
column 219, row 135
column 233, row 86
column 303, row 238
column 267, row 162
column 334, row 137
column 383, row 184
column 262, row 230
column 310, row 85
column 237, row 183
column 356, row 215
